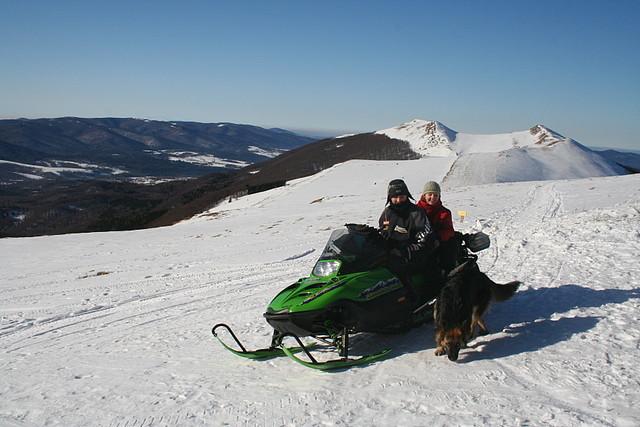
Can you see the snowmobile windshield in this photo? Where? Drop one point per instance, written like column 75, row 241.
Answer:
column 356, row 251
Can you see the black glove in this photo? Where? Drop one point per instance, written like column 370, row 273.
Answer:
column 385, row 234
column 431, row 245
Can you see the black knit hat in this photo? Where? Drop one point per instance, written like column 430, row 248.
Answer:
column 397, row 187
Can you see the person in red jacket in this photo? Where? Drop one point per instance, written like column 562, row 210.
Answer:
column 442, row 224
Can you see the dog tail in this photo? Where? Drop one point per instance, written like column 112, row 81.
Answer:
column 502, row 292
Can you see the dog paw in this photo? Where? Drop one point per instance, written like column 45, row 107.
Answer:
column 440, row 351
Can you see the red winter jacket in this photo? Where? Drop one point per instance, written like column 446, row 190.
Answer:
column 440, row 219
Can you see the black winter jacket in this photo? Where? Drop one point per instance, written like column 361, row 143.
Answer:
column 406, row 227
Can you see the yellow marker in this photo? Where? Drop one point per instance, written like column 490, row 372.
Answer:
column 462, row 214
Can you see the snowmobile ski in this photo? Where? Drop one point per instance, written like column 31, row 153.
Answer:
column 259, row 354
column 331, row 365
column 337, row 364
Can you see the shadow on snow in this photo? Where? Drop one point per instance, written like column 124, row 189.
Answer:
column 526, row 319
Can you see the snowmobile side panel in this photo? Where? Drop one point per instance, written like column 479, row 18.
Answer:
column 366, row 302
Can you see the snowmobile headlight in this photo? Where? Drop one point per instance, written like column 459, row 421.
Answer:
column 326, row 268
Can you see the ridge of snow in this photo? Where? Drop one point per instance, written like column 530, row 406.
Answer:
column 427, row 138
column 432, row 138
column 346, row 135
column 538, row 153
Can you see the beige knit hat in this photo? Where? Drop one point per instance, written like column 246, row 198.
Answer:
column 431, row 187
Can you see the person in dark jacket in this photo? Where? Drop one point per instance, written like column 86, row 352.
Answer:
column 408, row 233
column 442, row 223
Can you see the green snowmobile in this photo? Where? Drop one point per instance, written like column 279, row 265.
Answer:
column 349, row 291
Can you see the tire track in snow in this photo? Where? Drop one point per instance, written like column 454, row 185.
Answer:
column 220, row 291
column 547, row 396
column 512, row 249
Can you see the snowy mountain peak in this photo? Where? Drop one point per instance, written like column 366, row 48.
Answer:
column 432, row 138
column 427, row 138
column 545, row 136
column 538, row 153
column 431, row 126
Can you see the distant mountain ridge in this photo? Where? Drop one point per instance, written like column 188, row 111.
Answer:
column 627, row 159
column 538, row 153
column 119, row 148
column 84, row 206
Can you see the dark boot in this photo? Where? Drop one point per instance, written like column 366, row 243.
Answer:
column 409, row 293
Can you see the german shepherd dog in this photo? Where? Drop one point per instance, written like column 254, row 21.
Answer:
column 461, row 304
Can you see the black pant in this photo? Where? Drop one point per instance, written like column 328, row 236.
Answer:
column 402, row 267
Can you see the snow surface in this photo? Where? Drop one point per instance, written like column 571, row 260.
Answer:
column 114, row 171
column 204, row 159
column 57, row 170
column 152, row 180
column 113, row 329
column 266, row 153
column 46, row 169
column 29, row 176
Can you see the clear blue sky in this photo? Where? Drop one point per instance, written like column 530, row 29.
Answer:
column 477, row 66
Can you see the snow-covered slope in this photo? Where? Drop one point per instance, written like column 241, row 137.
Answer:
column 113, row 329
column 535, row 154
column 565, row 160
